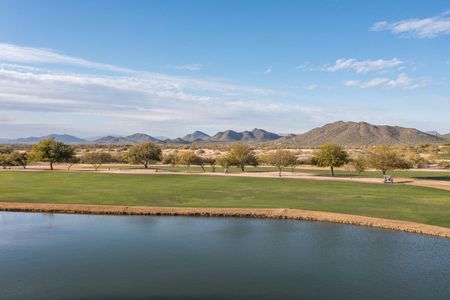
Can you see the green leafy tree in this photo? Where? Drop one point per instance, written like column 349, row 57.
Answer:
column 169, row 159
column 188, row 158
column 280, row 159
column 357, row 165
column 4, row 160
column 97, row 159
column 224, row 162
column 386, row 159
column 241, row 155
column 51, row 151
column 330, row 155
column 17, row 158
column 144, row 153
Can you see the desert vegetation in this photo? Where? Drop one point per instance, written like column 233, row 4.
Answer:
column 231, row 157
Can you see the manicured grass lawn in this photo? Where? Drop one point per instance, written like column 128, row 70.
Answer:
column 435, row 175
column 424, row 205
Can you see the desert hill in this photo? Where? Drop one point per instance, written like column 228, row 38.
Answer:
column 256, row 135
column 361, row 134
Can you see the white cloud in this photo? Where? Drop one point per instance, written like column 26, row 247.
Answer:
column 100, row 102
column 364, row 66
column 28, row 55
column 312, row 87
column 402, row 81
column 306, row 66
column 268, row 70
column 190, row 67
column 420, row 28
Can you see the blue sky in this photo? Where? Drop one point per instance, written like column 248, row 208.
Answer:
column 170, row 67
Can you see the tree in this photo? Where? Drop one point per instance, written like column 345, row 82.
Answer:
column 4, row 156
column 70, row 161
column 97, row 159
column 188, row 158
column 330, row 155
column 211, row 161
column 357, row 165
column 240, row 155
column 4, row 160
column 385, row 159
column 144, row 153
column 280, row 159
column 416, row 160
column 17, row 158
column 169, row 159
column 224, row 162
column 51, row 151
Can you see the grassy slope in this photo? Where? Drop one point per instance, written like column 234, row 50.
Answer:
column 424, row 205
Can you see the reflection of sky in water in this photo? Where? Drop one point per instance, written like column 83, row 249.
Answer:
column 141, row 256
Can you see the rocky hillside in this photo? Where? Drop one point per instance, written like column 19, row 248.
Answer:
column 361, row 134
column 196, row 136
column 256, row 135
column 142, row 137
column 127, row 140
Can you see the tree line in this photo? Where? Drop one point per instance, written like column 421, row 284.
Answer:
column 239, row 155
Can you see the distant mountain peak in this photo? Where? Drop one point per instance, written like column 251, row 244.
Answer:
column 196, row 136
column 256, row 135
column 361, row 134
column 65, row 138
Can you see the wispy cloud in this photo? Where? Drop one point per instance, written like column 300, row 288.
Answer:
column 268, row 70
column 355, row 65
column 307, row 66
column 364, row 66
column 420, row 28
column 36, row 56
column 402, row 81
column 312, row 87
column 128, row 100
column 190, row 67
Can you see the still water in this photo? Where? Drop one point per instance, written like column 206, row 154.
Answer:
column 54, row 256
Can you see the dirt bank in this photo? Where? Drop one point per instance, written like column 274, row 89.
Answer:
column 295, row 214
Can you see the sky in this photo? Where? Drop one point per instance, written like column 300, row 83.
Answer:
column 167, row 68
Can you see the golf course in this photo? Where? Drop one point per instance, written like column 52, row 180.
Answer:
column 396, row 202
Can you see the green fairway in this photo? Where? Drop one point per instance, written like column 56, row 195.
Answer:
column 435, row 175
column 424, row 205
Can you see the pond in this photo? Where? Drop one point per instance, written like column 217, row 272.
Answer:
column 58, row 256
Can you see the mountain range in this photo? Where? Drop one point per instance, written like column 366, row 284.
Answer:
column 344, row 133
column 196, row 136
column 362, row 134
column 256, row 135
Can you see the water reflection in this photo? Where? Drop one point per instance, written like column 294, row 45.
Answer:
column 45, row 256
